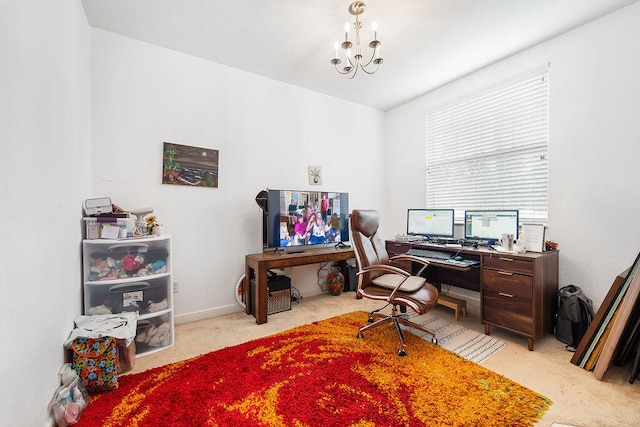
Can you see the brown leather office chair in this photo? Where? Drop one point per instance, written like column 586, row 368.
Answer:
column 378, row 279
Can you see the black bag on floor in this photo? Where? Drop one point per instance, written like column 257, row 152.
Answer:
column 575, row 313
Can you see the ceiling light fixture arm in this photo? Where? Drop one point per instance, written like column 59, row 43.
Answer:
column 354, row 62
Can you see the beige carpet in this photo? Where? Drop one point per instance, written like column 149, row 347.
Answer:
column 578, row 398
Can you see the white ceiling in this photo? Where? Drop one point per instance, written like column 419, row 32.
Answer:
column 425, row 43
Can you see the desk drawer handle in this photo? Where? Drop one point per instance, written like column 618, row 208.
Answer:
column 505, row 259
column 505, row 295
column 505, row 273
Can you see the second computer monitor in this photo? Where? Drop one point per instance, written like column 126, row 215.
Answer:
column 430, row 222
column 490, row 224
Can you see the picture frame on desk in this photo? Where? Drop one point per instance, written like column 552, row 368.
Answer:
column 533, row 237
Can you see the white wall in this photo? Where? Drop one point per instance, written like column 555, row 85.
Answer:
column 46, row 144
column 267, row 132
column 594, row 153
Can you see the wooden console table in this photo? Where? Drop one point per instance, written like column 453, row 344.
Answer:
column 257, row 265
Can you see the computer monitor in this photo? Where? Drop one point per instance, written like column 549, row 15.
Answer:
column 430, row 222
column 490, row 224
column 300, row 220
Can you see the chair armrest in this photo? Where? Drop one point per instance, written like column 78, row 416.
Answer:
column 384, row 267
column 404, row 257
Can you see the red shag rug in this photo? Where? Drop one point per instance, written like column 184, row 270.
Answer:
column 319, row 375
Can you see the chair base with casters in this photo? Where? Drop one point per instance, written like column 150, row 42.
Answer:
column 397, row 319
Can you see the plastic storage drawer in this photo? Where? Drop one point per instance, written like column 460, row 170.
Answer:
column 146, row 296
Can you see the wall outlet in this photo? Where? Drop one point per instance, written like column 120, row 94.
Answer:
column 176, row 287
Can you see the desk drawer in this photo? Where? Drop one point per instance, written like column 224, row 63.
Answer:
column 509, row 312
column 507, row 282
column 509, row 263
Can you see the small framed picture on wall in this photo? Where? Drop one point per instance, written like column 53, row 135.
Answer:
column 315, row 175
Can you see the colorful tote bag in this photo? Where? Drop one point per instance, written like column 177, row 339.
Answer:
column 96, row 362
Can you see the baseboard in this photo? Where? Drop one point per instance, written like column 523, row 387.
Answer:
column 206, row 314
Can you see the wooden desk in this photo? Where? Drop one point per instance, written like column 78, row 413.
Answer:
column 257, row 265
column 518, row 292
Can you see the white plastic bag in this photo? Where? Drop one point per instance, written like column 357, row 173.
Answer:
column 120, row 326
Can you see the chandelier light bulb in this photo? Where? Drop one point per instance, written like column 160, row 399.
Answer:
column 356, row 60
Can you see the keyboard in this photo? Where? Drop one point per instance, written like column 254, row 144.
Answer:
column 427, row 253
column 442, row 257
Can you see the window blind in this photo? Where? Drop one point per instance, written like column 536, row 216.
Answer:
column 490, row 150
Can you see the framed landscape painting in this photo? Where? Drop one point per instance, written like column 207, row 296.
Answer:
column 192, row 166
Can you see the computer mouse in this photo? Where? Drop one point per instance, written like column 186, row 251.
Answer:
column 458, row 258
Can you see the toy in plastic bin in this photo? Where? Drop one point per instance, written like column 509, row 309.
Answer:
column 70, row 399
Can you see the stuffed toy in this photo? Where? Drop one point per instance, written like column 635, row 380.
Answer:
column 131, row 263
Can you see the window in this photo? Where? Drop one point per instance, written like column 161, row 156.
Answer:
column 489, row 151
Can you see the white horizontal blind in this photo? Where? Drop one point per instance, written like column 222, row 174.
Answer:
column 489, row 151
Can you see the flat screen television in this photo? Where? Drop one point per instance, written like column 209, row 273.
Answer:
column 490, row 224
column 430, row 222
column 299, row 220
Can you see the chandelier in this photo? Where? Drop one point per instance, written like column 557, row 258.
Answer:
column 354, row 58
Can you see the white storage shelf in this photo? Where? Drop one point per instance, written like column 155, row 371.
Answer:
column 132, row 275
